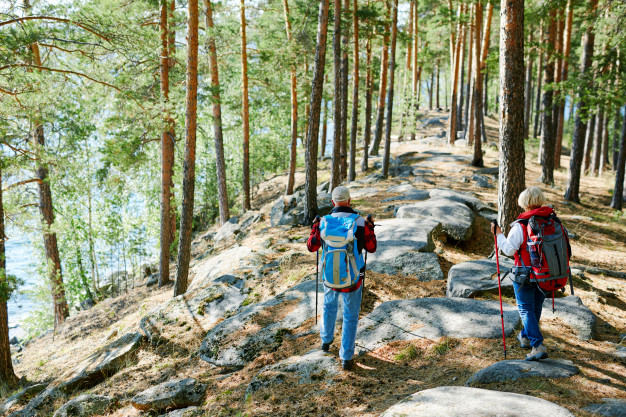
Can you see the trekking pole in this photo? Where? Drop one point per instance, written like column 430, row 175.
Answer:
column 317, row 273
column 495, row 238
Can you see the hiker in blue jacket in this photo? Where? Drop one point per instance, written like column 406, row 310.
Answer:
column 349, row 284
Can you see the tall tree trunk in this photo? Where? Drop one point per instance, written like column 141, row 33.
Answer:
column 461, row 116
column 245, row 112
column 452, row 120
column 512, row 169
column 344, row 97
column 380, row 110
column 293, row 156
column 580, row 126
column 7, row 375
column 324, row 129
column 431, row 89
column 406, row 107
column 567, row 47
column 355, row 94
column 618, row 192
column 477, row 160
column 310, row 186
column 597, row 141
column 392, row 71
column 413, row 101
column 189, row 168
column 589, row 142
column 335, row 176
column 528, row 94
column 437, row 87
column 557, row 102
column 616, row 135
column 171, row 42
column 46, row 209
column 368, row 104
column 222, row 191
column 547, row 161
column 467, row 118
column 605, row 145
column 167, row 151
column 539, row 79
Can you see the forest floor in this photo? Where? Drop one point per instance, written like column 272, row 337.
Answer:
column 382, row 377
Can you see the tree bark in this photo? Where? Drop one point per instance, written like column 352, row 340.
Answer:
column 547, row 136
column 335, row 176
column 189, row 167
column 46, row 209
column 324, row 130
column 580, row 126
column 618, row 192
column 477, row 106
column 452, row 120
column 167, row 152
column 380, row 110
column 605, row 145
column 616, row 135
column 368, row 105
column 437, row 87
column 7, row 375
column 528, row 94
column 310, row 187
column 344, row 97
column 589, row 142
column 557, row 102
column 512, row 161
column 464, row 87
column 414, row 43
column 245, row 111
column 567, row 47
column 355, row 94
column 294, row 112
column 539, row 79
column 172, row 51
column 597, row 141
column 392, row 71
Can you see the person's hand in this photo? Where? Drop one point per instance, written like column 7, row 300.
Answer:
column 495, row 229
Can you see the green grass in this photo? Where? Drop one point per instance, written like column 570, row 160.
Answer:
column 408, row 353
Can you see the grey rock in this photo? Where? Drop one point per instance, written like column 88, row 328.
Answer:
column 153, row 280
column 467, row 278
column 185, row 412
column 620, row 352
column 432, row 318
column 260, row 327
column 424, row 266
column 408, row 155
column 465, row 198
column 324, row 187
column 237, row 225
column 14, row 341
column 280, row 207
column 457, row 220
column 20, row 395
column 488, row 171
column 512, row 370
column 363, row 192
column 422, row 171
column 390, row 209
column 572, row 235
column 422, row 180
column 572, row 312
column 482, row 181
column 239, row 261
column 433, row 122
column 410, row 195
column 488, row 213
column 87, row 304
column 178, row 393
column 85, row 405
column 324, row 203
column 460, row 143
column 373, row 178
column 200, row 309
column 473, row 402
column 316, row 366
column 401, row 189
column 34, row 406
column 293, row 217
column 610, row 407
column 104, row 362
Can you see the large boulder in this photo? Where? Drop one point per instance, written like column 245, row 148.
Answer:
column 178, row 393
column 289, row 210
column 85, row 405
column 457, row 220
column 410, row 194
column 573, row 312
column 104, row 362
column 424, row 266
column 363, row 192
column 185, row 412
column 239, row 262
column 236, row 225
column 399, row 241
column 473, row 402
column 512, row 370
column 201, row 308
column 41, row 401
column 467, row 278
column 465, row 198
column 610, row 407
column 22, row 394
column 314, row 367
column 260, row 327
column 432, row 318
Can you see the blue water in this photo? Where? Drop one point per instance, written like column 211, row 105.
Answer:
column 20, row 257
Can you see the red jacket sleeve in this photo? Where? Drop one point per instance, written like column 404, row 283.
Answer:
column 315, row 240
column 370, row 238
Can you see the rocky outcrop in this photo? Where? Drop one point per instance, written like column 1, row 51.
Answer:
column 610, row 407
column 573, row 312
column 236, row 226
column 467, row 278
column 238, row 262
column 289, row 210
column 473, row 402
column 512, row 370
column 431, row 318
column 85, row 405
column 21, row 395
column 178, row 393
column 456, row 218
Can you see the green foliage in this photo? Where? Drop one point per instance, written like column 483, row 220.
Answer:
column 8, row 285
column 41, row 319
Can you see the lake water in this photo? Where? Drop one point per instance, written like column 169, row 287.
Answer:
column 20, row 262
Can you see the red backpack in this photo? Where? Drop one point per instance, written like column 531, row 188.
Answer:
column 549, row 249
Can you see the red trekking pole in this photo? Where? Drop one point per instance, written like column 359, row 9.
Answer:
column 495, row 238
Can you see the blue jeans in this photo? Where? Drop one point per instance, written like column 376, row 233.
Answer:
column 529, row 303
column 351, row 308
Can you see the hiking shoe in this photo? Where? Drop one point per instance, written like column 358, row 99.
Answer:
column 326, row 346
column 537, row 353
column 523, row 341
column 346, row 365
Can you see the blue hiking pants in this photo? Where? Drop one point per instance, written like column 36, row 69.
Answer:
column 529, row 304
column 351, row 308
